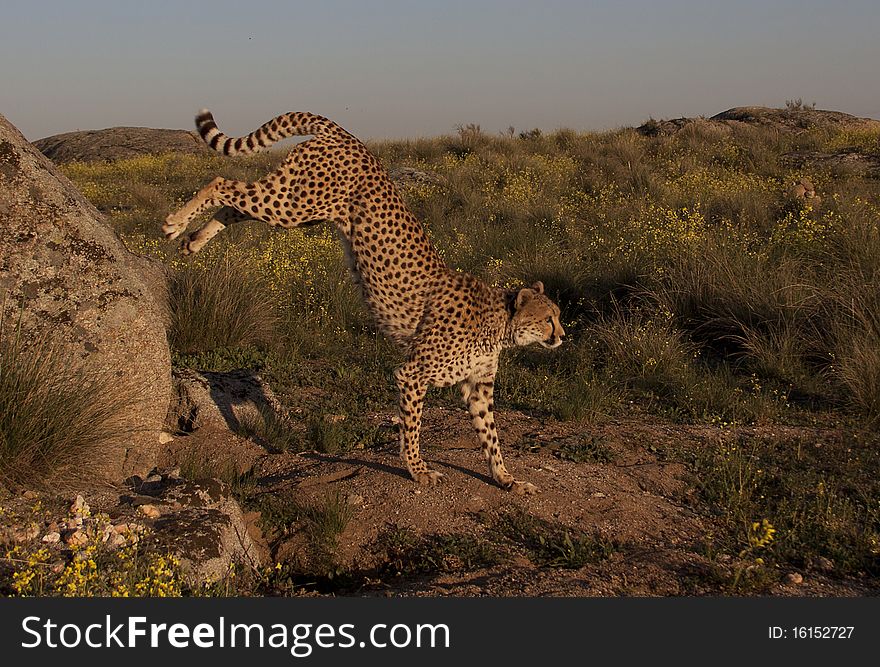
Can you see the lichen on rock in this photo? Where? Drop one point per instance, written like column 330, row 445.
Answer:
column 65, row 276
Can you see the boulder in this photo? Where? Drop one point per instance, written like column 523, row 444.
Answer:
column 119, row 143
column 784, row 121
column 220, row 401
column 66, row 276
column 201, row 524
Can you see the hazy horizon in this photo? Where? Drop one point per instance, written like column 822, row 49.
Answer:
column 397, row 69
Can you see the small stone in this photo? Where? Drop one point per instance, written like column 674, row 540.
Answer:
column 107, row 532
column 417, row 492
column 31, row 495
column 52, row 538
column 335, row 419
column 26, row 533
column 117, row 540
column 150, row 511
column 355, row 499
column 794, row 578
column 74, row 523
column 79, row 507
column 165, row 438
column 824, row 564
column 549, row 468
column 77, row 538
column 475, row 504
column 58, row 567
column 598, row 494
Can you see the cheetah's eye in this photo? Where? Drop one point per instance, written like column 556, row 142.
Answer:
column 550, row 319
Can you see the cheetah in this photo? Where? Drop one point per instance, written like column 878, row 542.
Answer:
column 451, row 326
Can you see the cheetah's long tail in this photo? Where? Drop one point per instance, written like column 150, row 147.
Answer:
column 292, row 124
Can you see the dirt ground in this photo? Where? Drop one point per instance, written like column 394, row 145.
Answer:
column 626, row 492
column 637, row 501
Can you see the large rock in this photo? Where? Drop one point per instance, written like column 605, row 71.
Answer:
column 785, row 121
column 220, row 401
column 200, row 523
column 119, row 143
column 67, row 275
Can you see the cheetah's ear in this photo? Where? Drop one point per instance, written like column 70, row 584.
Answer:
column 538, row 287
column 524, row 296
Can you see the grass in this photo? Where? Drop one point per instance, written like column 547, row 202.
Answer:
column 585, row 449
column 219, row 303
column 819, row 498
column 682, row 264
column 320, row 520
column 56, row 413
column 407, row 554
column 693, row 286
column 268, row 429
column 550, row 544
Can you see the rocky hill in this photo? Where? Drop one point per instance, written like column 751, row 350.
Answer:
column 782, row 120
column 118, row 143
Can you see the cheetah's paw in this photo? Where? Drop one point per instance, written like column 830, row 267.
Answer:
column 524, row 488
column 185, row 248
column 172, row 227
column 430, row 478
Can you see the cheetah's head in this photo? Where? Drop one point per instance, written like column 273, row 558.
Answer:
column 535, row 318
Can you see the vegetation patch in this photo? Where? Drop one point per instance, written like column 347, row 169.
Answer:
column 55, row 412
column 694, row 284
column 96, row 559
column 795, row 502
column 552, row 544
column 268, row 429
column 408, row 554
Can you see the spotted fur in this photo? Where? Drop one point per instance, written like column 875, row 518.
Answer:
column 452, row 326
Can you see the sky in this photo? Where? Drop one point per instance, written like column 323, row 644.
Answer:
column 389, row 69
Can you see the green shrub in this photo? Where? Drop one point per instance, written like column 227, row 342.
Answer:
column 219, row 302
column 56, row 413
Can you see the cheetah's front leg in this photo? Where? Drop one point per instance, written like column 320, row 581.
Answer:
column 412, row 389
column 219, row 192
column 477, row 395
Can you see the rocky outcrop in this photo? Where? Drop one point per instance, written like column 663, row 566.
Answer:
column 66, row 276
column 199, row 522
column 781, row 120
column 220, row 401
column 119, row 143
column 408, row 175
column 793, row 120
column 850, row 161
